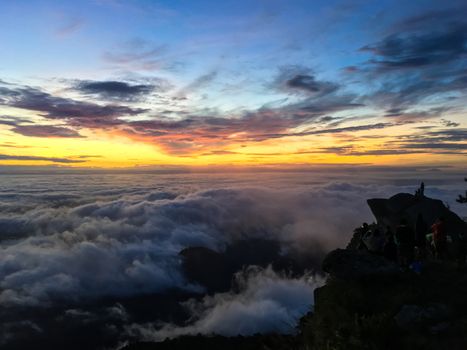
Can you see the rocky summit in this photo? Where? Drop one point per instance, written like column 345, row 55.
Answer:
column 389, row 212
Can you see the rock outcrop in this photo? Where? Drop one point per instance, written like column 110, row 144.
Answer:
column 389, row 212
column 368, row 303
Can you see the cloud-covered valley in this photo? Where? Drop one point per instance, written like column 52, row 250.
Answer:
column 77, row 240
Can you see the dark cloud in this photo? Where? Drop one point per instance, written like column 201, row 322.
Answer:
column 447, row 141
column 309, row 83
column 46, row 159
column 429, row 46
column 77, row 113
column 85, row 156
column 408, row 116
column 459, row 134
column 303, row 80
column 45, row 131
column 443, row 135
column 381, row 152
column 436, row 145
column 12, row 121
column 422, row 59
column 345, row 129
column 433, row 18
column 402, row 93
column 431, row 142
column 218, row 152
column 115, row 89
column 449, row 123
column 388, row 151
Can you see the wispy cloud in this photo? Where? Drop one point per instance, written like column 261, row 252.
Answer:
column 136, row 54
column 39, row 158
column 45, row 131
column 70, row 26
column 198, row 83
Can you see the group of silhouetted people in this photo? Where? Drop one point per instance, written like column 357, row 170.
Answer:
column 409, row 246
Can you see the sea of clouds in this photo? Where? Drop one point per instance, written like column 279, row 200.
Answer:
column 79, row 237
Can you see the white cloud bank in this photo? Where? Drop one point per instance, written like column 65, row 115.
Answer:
column 266, row 302
column 77, row 238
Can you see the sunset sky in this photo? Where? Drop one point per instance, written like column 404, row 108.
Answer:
column 114, row 83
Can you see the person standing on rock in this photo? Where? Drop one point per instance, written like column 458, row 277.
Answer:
column 421, row 230
column 420, row 192
column 405, row 242
column 439, row 238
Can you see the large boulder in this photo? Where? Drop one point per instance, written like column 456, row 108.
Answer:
column 357, row 264
column 389, row 212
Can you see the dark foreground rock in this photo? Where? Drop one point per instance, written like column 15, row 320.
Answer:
column 199, row 342
column 413, row 317
column 405, row 311
column 357, row 265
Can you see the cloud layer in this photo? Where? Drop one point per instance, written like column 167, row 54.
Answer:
column 130, row 237
column 266, row 302
column 68, row 241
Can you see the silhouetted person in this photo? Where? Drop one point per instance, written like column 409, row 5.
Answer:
column 421, row 230
column 390, row 247
column 439, row 238
column 420, row 192
column 405, row 242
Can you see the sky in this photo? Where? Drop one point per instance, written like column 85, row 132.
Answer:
column 139, row 83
